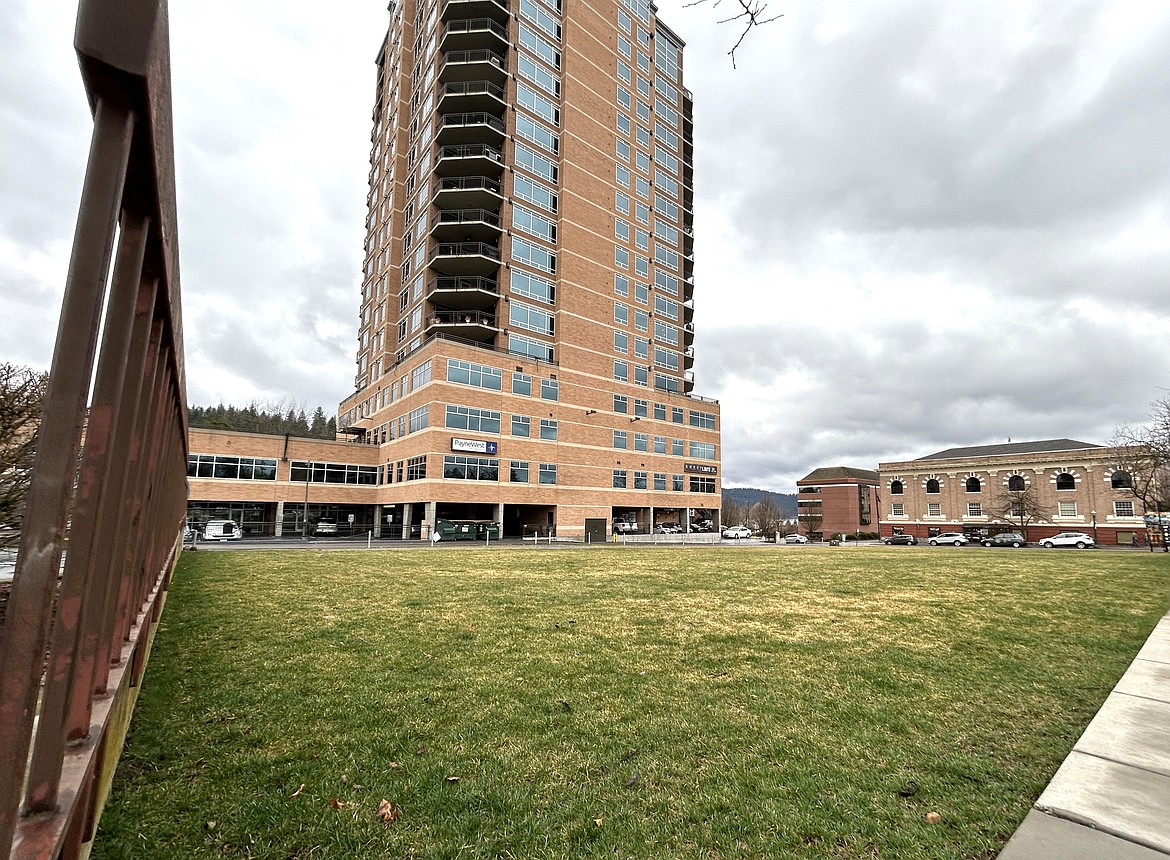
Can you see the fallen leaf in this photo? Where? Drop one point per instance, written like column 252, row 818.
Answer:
column 300, row 788
column 211, row 825
column 598, row 821
column 452, row 779
column 336, row 803
column 387, row 814
column 633, row 779
column 394, row 765
column 933, row 818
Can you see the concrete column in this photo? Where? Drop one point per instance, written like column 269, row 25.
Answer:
column 279, row 528
column 429, row 516
column 500, row 517
column 377, row 521
column 407, row 517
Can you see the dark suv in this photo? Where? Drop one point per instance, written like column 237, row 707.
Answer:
column 906, row 540
column 1005, row 539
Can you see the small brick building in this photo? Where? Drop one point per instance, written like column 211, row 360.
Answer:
column 837, row 500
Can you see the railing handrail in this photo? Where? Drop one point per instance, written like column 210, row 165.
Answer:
column 61, row 730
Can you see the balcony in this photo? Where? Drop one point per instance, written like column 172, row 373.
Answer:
column 472, row 96
column 470, row 325
column 456, row 9
column 465, row 258
column 479, row 65
column 689, row 334
column 472, row 34
column 469, row 159
column 463, row 294
column 469, row 192
column 467, row 128
column 453, row 225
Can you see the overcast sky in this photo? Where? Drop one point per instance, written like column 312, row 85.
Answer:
column 918, row 224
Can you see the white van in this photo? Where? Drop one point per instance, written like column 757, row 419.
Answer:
column 221, row 530
column 625, row 527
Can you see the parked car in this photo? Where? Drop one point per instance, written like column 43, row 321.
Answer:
column 901, row 540
column 956, row 538
column 325, row 526
column 1005, row 539
column 221, row 530
column 1078, row 539
column 625, row 527
column 736, row 532
column 795, row 538
column 701, row 526
column 667, row 529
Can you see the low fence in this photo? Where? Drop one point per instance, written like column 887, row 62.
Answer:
column 108, row 496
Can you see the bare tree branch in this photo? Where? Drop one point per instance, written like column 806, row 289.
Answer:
column 752, row 13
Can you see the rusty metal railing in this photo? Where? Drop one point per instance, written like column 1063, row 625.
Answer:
column 107, row 501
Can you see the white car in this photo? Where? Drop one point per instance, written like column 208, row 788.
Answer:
column 795, row 538
column 736, row 532
column 1078, row 539
column 955, row 538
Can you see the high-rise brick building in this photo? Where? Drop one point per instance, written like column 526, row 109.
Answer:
column 526, row 320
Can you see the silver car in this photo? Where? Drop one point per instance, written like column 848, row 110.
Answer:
column 955, row 538
column 1080, row 540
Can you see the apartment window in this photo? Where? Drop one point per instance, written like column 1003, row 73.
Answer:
column 659, row 444
column 533, row 287
column 421, row 375
column 538, row 349
column 677, row 447
column 550, row 389
column 640, row 480
column 518, row 472
column 974, row 509
column 660, row 411
column 702, row 485
column 547, row 473
column 1065, row 481
column 703, row 420
column 621, row 257
column 1067, row 509
column 702, row 450
column 621, row 229
column 462, row 468
column 621, row 285
column 548, row 429
column 621, row 313
column 933, row 509
column 473, row 419
column 641, row 408
column 621, row 404
column 534, row 223
column 621, row 439
column 621, row 342
column 416, row 468
column 521, row 384
column 676, row 414
column 521, row 426
column 419, row 419
column 1122, row 509
column 621, row 370
column 526, row 189
column 538, row 164
column 641, row 442
column 475, row 375
column 677, row 483
column 1016, row 484
column 622, row 202
column 898, row 509
column 533, row 255
column 619, row 479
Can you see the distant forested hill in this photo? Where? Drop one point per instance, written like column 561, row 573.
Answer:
column 275, row 419
column 745, row 497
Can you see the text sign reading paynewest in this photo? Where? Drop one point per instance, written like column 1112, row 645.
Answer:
column 474, row 446
column 701, row 468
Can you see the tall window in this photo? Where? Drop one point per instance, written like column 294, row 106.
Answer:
column 1123, row 509
column 933, row 509
column 973, row 485
column 896, row 488
column 1121, row 480
column 932, row 486
column 898, row 509
column 1067, row 509
column 1065, row 481
column 1016, row 484
column 974, row 509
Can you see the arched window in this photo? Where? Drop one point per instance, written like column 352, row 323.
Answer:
column 932, row 486
column 1016, row 484
column 973, row 485
column 1065, row 481
column 896, row 488
column 1121, row 480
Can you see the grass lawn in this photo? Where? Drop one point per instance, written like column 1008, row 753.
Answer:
column 619, row 702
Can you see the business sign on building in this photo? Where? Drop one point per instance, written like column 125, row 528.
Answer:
column 700, row 468
column 474, row 446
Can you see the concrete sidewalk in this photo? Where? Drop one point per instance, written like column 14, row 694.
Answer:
column 1110, row 799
